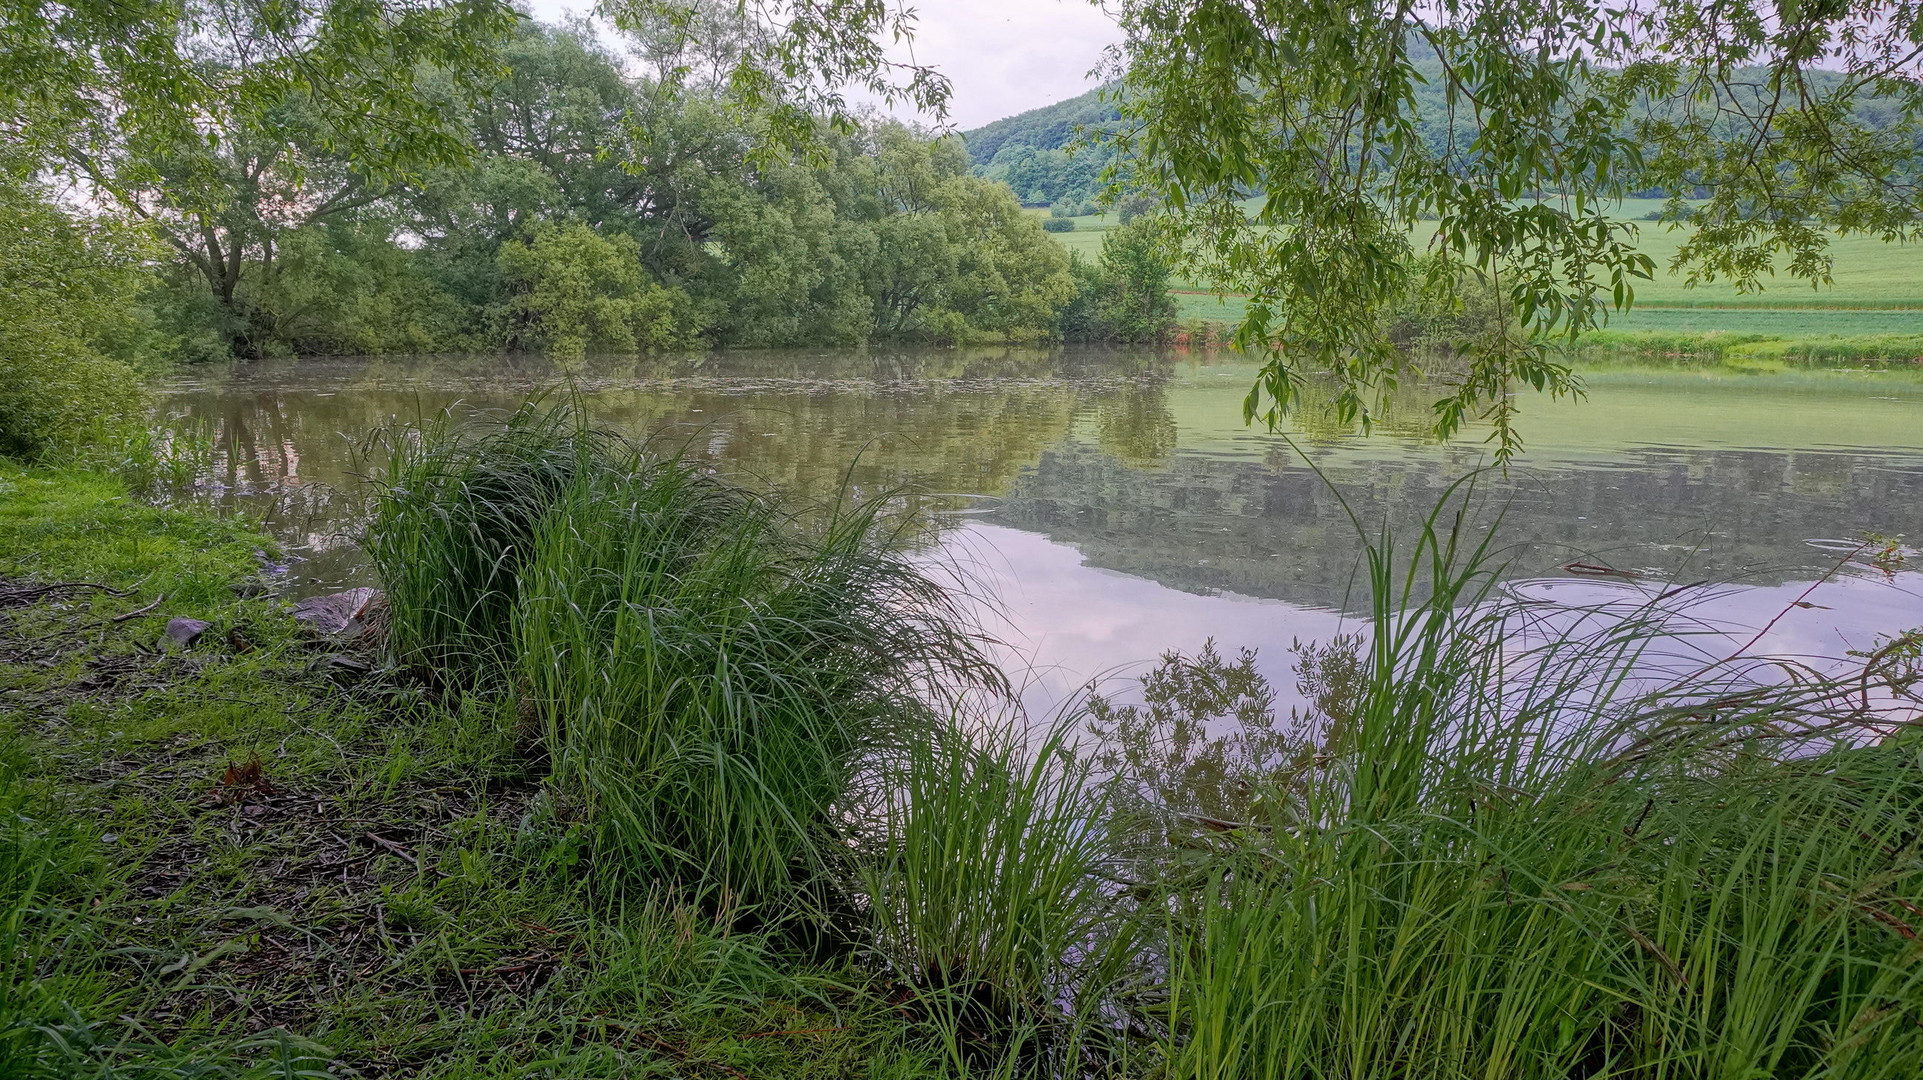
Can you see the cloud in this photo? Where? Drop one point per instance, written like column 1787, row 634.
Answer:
column 1008, row 56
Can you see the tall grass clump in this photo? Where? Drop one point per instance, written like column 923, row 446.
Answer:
column 454, row 523
column 1536, row 846
column 985, row 890
column 706, row 665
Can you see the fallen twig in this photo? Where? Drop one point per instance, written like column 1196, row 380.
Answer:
column 138, row 612
column 31, row 593
column 395, row 848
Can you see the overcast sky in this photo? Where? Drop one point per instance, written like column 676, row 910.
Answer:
column 1002, row 56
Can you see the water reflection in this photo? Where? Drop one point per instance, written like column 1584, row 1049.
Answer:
column 1119, row 507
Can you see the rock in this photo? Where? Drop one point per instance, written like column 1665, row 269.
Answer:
column 345, row 670
column 184, row 632
column 341, row 615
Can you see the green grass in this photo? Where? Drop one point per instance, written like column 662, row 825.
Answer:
column 1781, row 324
column 1873, row 309
column 397, row 893
column 1504, row 858
column 69, row 524
column 984, row 889
column 707, row 666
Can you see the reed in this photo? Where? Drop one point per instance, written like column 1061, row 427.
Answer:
column 984, row 889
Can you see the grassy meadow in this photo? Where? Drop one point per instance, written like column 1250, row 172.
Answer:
column 1872, row 310
column 643, row 773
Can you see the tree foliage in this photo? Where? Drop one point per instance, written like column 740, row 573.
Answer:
column 1124, row 296
column 1552, row 109
column 148, row 74
column 590, row 191
column 787, row 63
column 65, row 285
column 573, row 290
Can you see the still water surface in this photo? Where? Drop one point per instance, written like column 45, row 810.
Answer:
column 1116, row 507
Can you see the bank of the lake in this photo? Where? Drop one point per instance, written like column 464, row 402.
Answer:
column 247, row 857
column 261, row 853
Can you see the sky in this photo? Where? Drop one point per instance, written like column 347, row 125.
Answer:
column 1002, row 57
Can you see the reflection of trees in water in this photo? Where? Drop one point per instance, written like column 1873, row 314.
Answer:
column 1135, row 426
column 1205, row 524
column 950, row 420
column 1085, row 446
column 954, row 421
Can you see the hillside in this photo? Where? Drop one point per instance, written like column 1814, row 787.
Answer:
column 1047, row 128
column 1028, row 151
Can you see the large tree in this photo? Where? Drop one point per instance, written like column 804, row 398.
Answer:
column 226, row 124
column 1751, row 116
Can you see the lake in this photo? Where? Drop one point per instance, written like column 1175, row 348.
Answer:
column 1114, row 506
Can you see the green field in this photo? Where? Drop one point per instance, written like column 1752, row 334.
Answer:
column 1872, row 309
column 1867, row 273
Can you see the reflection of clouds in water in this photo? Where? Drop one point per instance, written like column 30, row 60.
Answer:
column 1815, row 622
column 1066, row 622
column 1148, row 474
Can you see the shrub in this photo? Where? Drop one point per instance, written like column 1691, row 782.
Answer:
column 1124, row 296
column 65, row 282
column 574, row 290
column 1058, row 224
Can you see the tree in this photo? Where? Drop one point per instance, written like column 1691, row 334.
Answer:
column 89, row 75
column 1551, row 109
column 786, row 62
column 65, row 281
column 223, row 124
column 574, row 290
column 1124, row 296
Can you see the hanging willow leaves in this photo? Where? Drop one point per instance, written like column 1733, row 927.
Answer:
column 1508, row 128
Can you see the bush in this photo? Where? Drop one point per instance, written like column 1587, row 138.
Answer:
column 1447, row 307
column 1123, row 297
column 574, row 290
column 1058, row 224
column 66, row 284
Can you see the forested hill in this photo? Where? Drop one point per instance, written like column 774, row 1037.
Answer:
column 1027, row 151
column 1047, row 128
